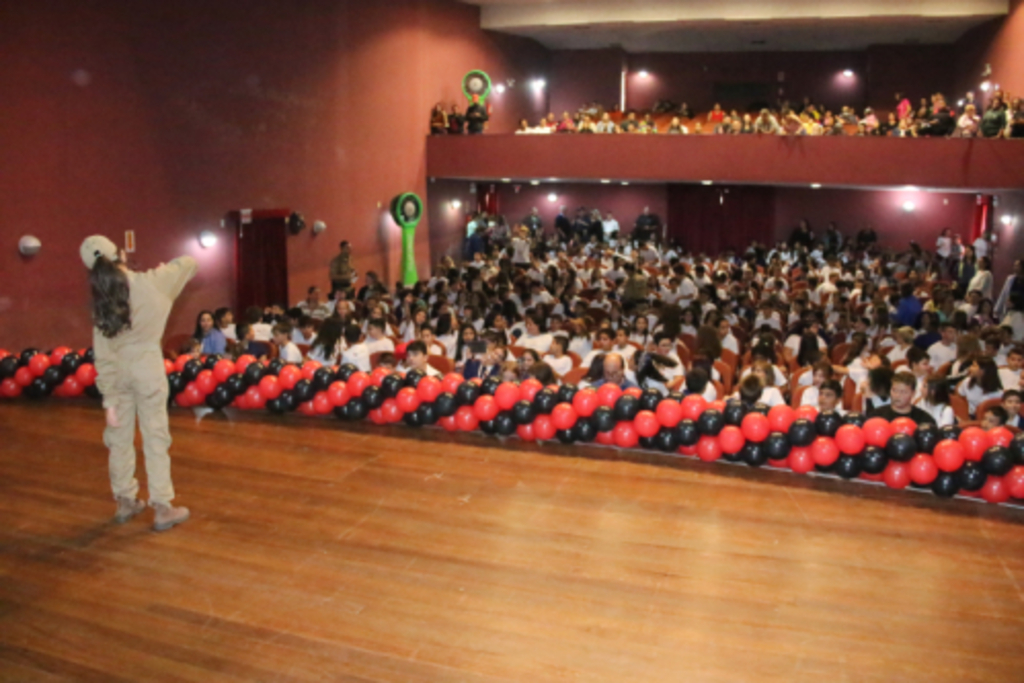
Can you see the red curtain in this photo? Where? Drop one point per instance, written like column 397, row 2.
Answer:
column 262, row 272
column 487, row 200
column 982, row 219
column 712, row 218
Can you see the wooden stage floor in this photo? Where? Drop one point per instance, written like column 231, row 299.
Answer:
column 319, row 551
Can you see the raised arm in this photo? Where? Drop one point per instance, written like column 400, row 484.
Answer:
column 171, row 278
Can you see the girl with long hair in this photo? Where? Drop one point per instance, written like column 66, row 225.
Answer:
column 935, row 401
column 211, row 339
column 129, row 311
column 982, row 383
column 329, row 343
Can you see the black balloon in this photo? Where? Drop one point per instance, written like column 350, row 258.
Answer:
column 710, row 422
column 274, row 405
column 390, row 385
column 69, row 363
column 854, row 419
column 235, row 384
column 676, row 396
column 287, row 400
column 584, row 430
column 626, row 407
column 428, row 413
column 273, row 367
column 901, row 447
column 666, row 440
column 346, row 371
column 971, row 476
column 827, row 423
column 26, row 355
column 193, row 368
column 732, row 457
column 848, row 466
column 565, row 435
column 176, row 383
column 373, row 397
column 927, row 436
column 754, row 454
column 996, row 461
column 874, row 460
column 467, row 393
column 566, row 392
column 413, row 419
column 604, row 419
column 322, row 379
column 802, row 432
column 488, row 427
column 734, row 411
column 303, row 390
column 253, row 374
column 1017, row 449
column 504, row 423
column 647, row 442
column 687, row 433
column 650, row 399
column 53, row 375
column 446, row 405
column 762, row 408
column 949, row 432
column 946, row 484
column 490, row 385
column 90, row 356
column 545, row 401
column 413, row 377
column 776, row 446
column 8, row 366
column 92, row 391
column 220, row 397
column 38, row 389
column 354, row 409
column 523, row 412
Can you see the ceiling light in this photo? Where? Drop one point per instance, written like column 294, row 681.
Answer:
column 456, row 204
column 506, row 180
column 625, row 182
column 605, row 181
column 538, row 84
column 535, row 182
column 207, row 239
column 815, row 186
column 552, row 197
column 910, row 188
column 909, row 206
column 643, row 73
column 1007, row 220
column 707, row 182
column 499, row 88
column 848, row 73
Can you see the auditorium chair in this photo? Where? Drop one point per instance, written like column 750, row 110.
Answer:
column 575, row 376
column 172, row 345
column 798, row 393
column 442, row 364
column 960, row 407
column 725, row 371
column 839, row 353
column 517, row 351
column 576, row 360
column 375, row 359
column 794, row 379
column 985, row 405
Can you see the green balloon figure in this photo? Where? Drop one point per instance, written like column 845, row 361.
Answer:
column 406, row 210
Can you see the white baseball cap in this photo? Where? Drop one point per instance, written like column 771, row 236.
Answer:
column 95, row 246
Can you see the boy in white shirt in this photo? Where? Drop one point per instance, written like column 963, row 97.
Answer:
column 288, row 351
column 557, row 360
column 1010, row 376
column 357, row 352
column 305, row 333
column 376, row 341
column 944, row 350
column 416, row 359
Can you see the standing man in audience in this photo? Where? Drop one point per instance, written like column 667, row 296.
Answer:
column 534, row 222
column 610, row 227
column 647, row 227
column 563, row 227
column 342, row 273
column 476, row 117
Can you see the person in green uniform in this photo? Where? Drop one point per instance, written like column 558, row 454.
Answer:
column 130, row 312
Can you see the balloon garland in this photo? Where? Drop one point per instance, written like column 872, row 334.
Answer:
column 948, row 461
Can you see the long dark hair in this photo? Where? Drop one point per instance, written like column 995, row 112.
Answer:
column 198, row 334
column 328, row 336
column 111, row 311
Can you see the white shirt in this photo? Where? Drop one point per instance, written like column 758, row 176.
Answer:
column 262, row 332
column 538, row 342
column 1010, row 379
column 316, row 353
column 982, row 281
column 520, row 250
column 290, row 353
column 560, row 366
column 981, row 246
column 941, row 413
column 730, row 343
column 320, row 311
column 944, row 246
column 379, row 345
column 939, row 354
column 975, row 396
column 772, row 397
column 358, row 355
column 609, row 226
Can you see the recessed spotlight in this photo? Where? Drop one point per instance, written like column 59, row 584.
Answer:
column 625, row 182
column 848, row 73
column 707, row 182
column 552, row 180
column 535, row 182
column 499, row 88
column 1007, row 219
column 552, row 197
column 506, row 180
column 605, row 181
column 643, row 73
column 909, row 206
column 815, row 186
column 910, row 188
column 538, row 84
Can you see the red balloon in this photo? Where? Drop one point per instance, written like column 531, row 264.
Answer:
column 408, row 400
column 824, row 451
column 243, row 362
column 975, row 441
column 692, row 406
column 635, row 392
column 731, row 439
column 466, row 419
column 307, row 409
column 10, row 388
column 309, row 369
column 605, row 438
column 646, row 423
column 38, row 364
column 338, row 393
column 995, row 490
column 708, row 449
column 897, row 475
column 24, row 377
column 391, row 411
column 688, row 450
column 449, row 423
column 585, row 402
column 224, row 368
column 486, row 408
column 872, row 477
column 507, row 394
column 57, row 355
column 254, row 397
column 608, row 394
column 625, row 434
column 544, row 428
column 270, row 387
column 4, row 353
column 207, row 382
column 357, row 382
column 183, row 400
column 1015, row 481
column 288, row 377
column 528, row 388
column 780, row 417
column 378, row 375
column 806, row 413
column 850, row 439
column 563, row 416
column 168, row 367
column 180, row 361
column 194, row 394
column 922, row 469
column 377, row 417
column 451, row 382
column 949, row 455
column 1000, row 436
column 428, row 389
column 755, row 427
column 322, row 403
column 800, row 460
column 781, row 464
column 904, row 425
column 877, row 431
column 526, row 432
column 59, row 391
column 86, row 374
column 669, row 413
column 718, row 405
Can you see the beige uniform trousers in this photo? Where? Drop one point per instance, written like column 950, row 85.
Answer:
column 140, row 391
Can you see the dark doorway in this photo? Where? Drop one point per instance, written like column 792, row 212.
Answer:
column 261, row 273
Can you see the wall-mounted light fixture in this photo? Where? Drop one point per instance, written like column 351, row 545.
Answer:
column 207, row 239
column 538, row 83
column 499, row 88
column 552, row 197
column 643, row 73
column 848, row 73
column 456, row 204
column 29, row 245
column 909, row 206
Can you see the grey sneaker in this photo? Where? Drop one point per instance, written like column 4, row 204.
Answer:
column 167, row 516
column 128, row 508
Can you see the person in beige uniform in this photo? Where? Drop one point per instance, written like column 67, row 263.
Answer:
column 129, row 315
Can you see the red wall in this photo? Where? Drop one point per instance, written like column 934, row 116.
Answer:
column 162, row 118
column 579, row 77
column 999, row 43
